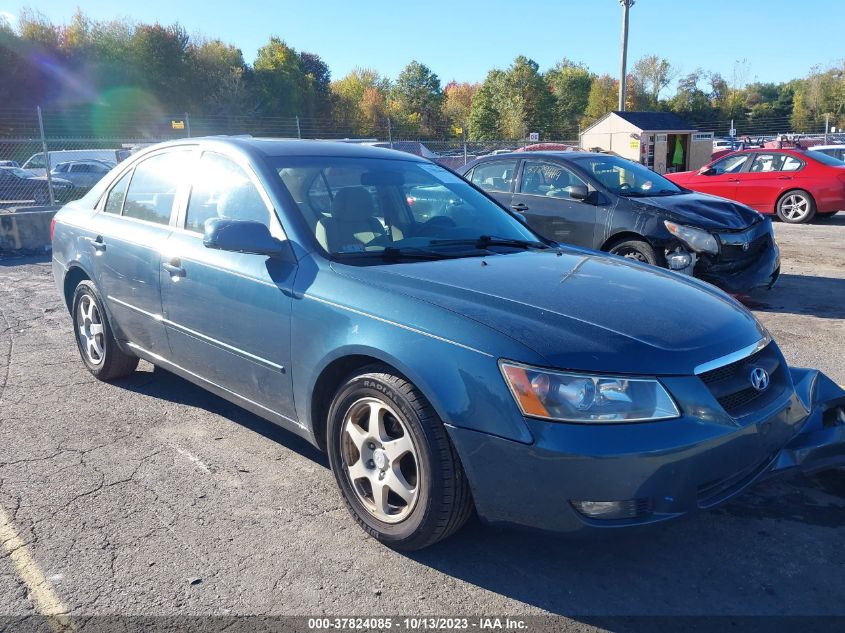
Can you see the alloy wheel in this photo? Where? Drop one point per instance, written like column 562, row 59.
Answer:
column 90, row 329
column 795, row 207
column 631, row 253
column 380, row 459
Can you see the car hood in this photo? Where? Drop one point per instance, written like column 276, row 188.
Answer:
column 702, row 210
column 54, row 179
column 579, row 309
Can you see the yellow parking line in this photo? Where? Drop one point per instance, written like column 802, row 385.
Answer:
column 46, row 600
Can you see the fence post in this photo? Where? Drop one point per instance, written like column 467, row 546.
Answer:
column 826, row 127
column 188, row 124
column 298, row 129
column 389, row 133
column 46, row 157
column 465, row 144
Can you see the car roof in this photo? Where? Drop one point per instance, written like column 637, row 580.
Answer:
column 541, row 154
column 837, row 146
column 270, row 147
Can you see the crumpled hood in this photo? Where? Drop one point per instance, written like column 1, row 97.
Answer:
column 580, row 309
column 702, row 211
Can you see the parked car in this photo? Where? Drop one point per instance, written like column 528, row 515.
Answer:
column 835, row 151
column 795, row 184
column 612, row 204
column 20, row 186
column 84, row 174
column 448, row 365
column 37, row 166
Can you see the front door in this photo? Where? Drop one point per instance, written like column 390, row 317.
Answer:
column 543, row 198
column 496, row 178
column 721, row 177
column 228, row 314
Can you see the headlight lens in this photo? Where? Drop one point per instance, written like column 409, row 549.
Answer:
column 698, row 240
column 586, row 398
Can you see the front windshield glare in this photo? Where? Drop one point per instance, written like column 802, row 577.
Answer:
column 381, row 206
column 626, row 178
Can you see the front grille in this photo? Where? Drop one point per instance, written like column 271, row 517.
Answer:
column 731, row 384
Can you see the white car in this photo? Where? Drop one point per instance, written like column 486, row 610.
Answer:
column 35, row 164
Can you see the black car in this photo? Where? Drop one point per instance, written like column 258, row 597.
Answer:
column 608, row 203
column 19, row 186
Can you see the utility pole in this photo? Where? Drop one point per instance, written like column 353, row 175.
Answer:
column 623, row 83
column 826, row 127
column 47, row 165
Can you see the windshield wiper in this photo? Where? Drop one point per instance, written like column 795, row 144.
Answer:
column 490, row 240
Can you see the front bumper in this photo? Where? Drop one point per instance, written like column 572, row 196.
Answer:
column 666, row 469
column 763, row 272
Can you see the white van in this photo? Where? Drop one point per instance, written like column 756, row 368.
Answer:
column 35, row 163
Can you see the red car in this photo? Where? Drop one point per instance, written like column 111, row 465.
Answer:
column 793, row 183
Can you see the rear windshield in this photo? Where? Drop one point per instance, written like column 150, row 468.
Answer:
column 825, row 159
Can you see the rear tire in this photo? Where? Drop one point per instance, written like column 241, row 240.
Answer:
column 638, row 250
column 796, row 206
column 399, row 474
column 94, row 338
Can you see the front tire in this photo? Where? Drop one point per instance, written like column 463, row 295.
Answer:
column 399, row 474
column 94, row 337
column 638, row 250
column 796, row 206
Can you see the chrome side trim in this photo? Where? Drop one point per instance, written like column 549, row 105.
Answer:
column 733, row 357
column 213, row 341
column 162, row 359
column 394, row 323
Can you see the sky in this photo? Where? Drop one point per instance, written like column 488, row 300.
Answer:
column 778, row 39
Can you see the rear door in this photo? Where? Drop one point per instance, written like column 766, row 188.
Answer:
column 497, row 178
column 126, row 236
column 542, row 196
column 228, row 314
column 768, row 175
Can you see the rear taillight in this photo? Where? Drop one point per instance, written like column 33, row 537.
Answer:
column 52, row 227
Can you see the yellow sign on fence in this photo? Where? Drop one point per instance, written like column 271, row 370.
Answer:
column 177, row 124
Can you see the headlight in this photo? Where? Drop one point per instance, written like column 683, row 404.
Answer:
column 698, row 240
column 569, row 397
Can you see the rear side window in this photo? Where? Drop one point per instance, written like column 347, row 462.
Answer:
column 114, row 201
column 221, row 189
column 495, row 176
column 152, row 190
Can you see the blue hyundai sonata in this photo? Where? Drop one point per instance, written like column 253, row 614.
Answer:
column 447, row 358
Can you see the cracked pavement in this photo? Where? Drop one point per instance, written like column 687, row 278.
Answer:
column 149, row 496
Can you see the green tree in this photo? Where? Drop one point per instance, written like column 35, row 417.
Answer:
column 652, row 74
column 484, row 115
column 603, row 98
column 360, row 102
column 457, row 104
column 570, row 84
column 279, row 81
column 416, row 99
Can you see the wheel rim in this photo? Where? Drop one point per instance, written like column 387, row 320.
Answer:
column 380, row 459
column 795, row 206
column 90, row 329
column 630, row 253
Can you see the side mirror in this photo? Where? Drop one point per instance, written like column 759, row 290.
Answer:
column 578, row 192
column 241, row 236
column 706, row 171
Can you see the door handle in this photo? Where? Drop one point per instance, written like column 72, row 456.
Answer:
column 784, row 177
column 98, row 244
column 519, row 207
column 174, row 267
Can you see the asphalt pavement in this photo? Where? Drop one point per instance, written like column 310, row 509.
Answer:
column 150, row 496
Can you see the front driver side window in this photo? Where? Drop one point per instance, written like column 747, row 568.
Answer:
column 729, row 164
column 222, row 189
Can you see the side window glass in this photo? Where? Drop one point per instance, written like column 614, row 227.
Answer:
column 790, row 163
column 548, row 179
column 221, row 189
column 496, row 176
column 152, row 190
column 766, row 162
column 730, row 164
column 114, row 201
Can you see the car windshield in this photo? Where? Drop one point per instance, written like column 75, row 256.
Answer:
column 392, row 208
column 17, row 171
column 626, row 178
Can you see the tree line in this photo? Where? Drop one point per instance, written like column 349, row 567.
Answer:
column 109, row 75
